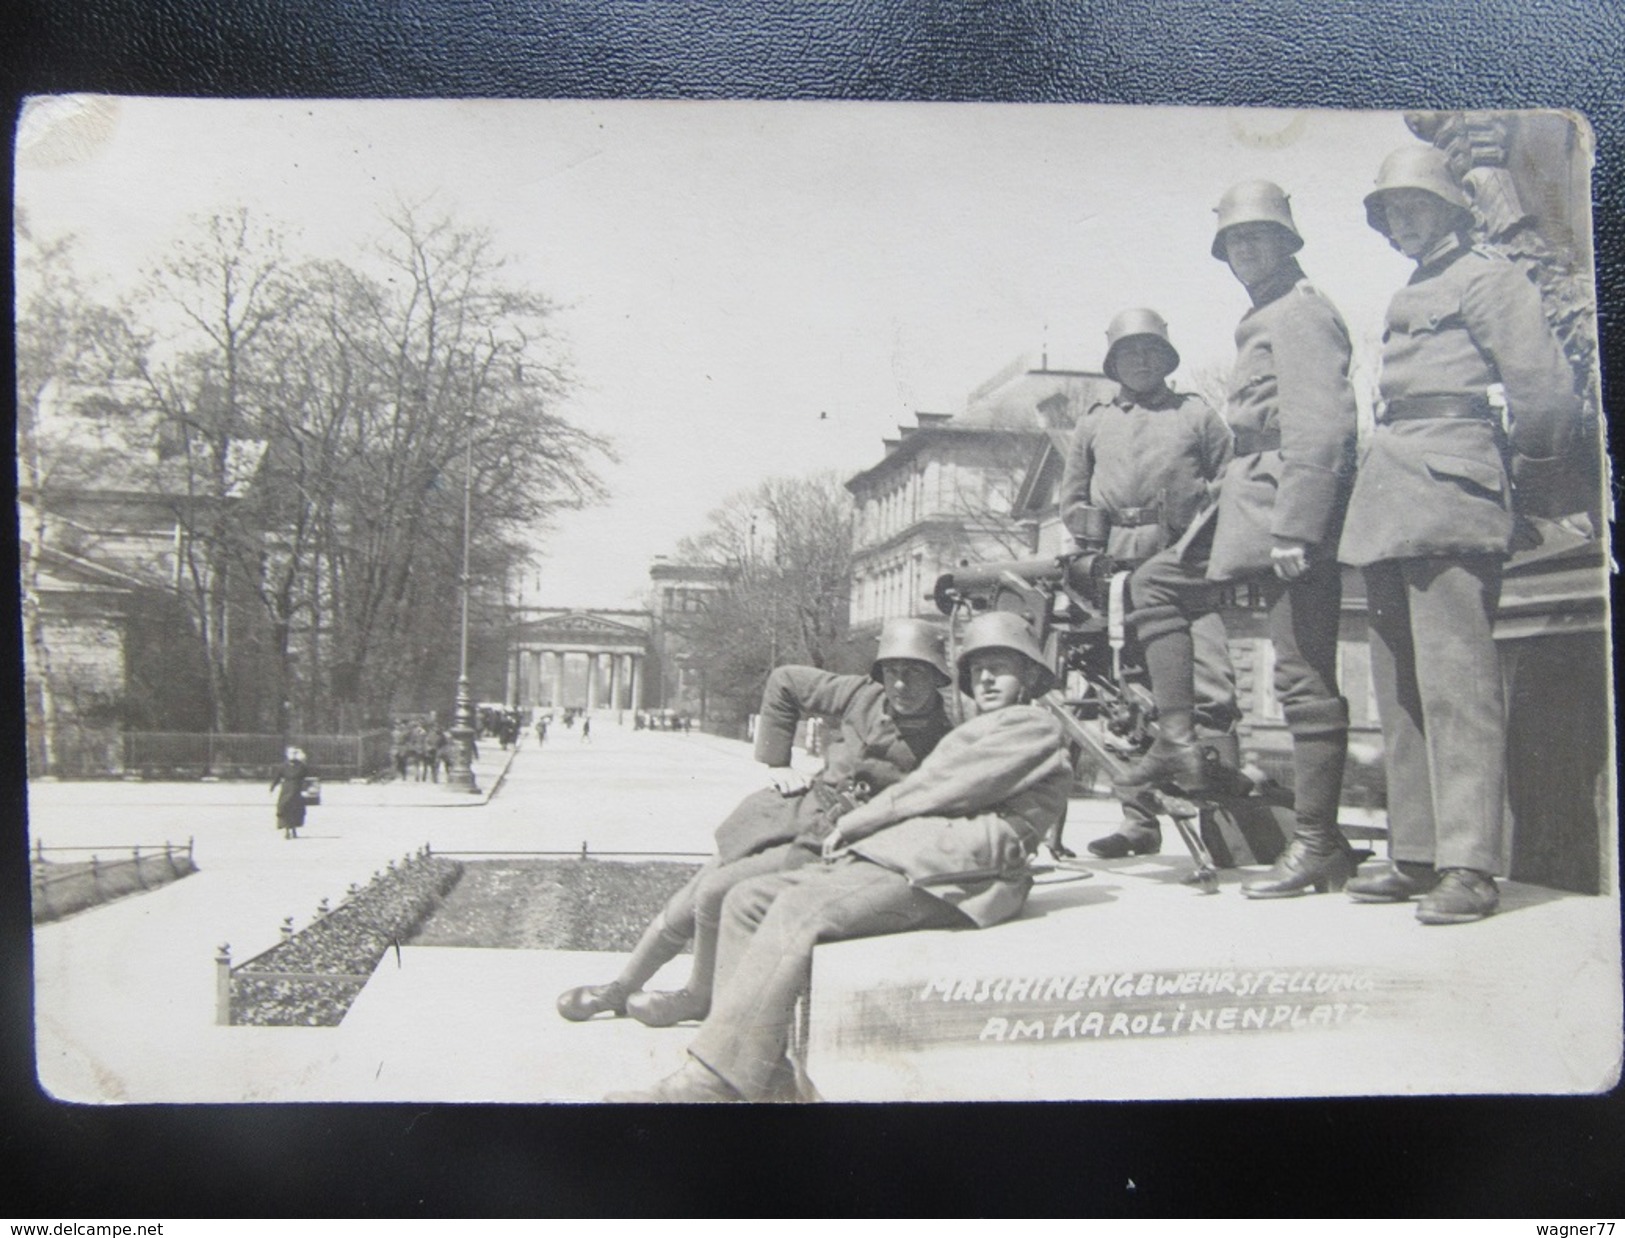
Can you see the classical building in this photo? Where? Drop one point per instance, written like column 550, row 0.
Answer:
column 577, row 659
column 107, row 644
column 634, row 660
column 944, row 492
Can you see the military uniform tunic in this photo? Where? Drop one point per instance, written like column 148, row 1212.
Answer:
column 1430, row 522
column 946, row 847
column 866, row 736
column 1149, row 461
column 1291, row 408
column 768, row 832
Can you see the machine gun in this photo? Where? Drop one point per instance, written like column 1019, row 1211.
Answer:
column 1075, row 603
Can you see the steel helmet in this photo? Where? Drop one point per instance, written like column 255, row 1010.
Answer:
column 1417, row 167
column 1003, row 629
column 1134, row 324
column 913, row 640
column 1254, row 202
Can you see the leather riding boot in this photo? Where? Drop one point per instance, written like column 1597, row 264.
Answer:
column 580, row 1004
column 1174, row 759
column 1307, row 862
column 1397, row 882
column 1131, row 838
column 1462, row 896
column 1318, row 856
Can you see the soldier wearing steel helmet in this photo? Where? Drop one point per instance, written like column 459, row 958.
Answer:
column 1276, row 524
column 1147, row 460
column 946, row 847
column 887, row 723
column 1430, row 523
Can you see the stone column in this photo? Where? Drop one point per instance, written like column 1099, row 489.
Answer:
column 614, row 680
column 637, row 682
column 510, row 691
column 592, row 682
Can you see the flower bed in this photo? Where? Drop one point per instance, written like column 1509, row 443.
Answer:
column 311, row 979
column 541, row 904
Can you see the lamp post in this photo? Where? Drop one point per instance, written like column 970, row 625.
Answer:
column 461, row 775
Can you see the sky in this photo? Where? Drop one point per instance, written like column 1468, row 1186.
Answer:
column 752, row 289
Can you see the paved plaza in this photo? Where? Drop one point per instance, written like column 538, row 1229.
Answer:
column 125, row 993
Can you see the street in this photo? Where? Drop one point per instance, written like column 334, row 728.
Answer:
column 125, row 993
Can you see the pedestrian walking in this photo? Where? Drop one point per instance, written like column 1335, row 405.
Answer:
column 289, row 783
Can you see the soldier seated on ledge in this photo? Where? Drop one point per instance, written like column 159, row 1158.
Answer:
column 888, row 721
column 947, row 847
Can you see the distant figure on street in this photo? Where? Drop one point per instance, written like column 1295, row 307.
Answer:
column 400, row 748
column 586, row 730
column 289, row 783
column 541, row 730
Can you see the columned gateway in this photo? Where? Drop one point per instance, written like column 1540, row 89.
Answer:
column 577, row 659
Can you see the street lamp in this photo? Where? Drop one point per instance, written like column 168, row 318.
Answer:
column 461, row 775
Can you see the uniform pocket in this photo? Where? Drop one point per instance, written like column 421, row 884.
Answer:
column 1424, row 312
column 1472, row 475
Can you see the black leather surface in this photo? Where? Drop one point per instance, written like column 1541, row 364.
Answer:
column 1371, row 54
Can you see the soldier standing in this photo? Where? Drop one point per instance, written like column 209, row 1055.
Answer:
column 1431, row 523
column 1276, row 524
column 1147, row 460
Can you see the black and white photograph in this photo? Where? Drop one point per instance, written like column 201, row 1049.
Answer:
column 717, row 602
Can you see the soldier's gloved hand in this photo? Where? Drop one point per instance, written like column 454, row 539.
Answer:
column 788, row 782
column 1289, row 557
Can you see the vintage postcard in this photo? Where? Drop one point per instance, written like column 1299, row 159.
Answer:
column 676, row 602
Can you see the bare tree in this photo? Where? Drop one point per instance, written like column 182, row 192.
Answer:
column 309, row 430
column 787, row 546
column 458, row 371
column 61, row 341
column 203, row 352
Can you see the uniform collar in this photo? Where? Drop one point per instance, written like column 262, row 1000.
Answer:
column 1278, row 284
column 933, row 714
column 1163, row 397
column 1445, row 251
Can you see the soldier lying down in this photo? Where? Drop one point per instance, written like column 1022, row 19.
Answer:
column 947, row 847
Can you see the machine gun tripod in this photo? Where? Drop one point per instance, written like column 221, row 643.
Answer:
column 1076, row 605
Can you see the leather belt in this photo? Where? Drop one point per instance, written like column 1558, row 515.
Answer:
column 1443, row 407
column 1133, row 517
column 1249, row 443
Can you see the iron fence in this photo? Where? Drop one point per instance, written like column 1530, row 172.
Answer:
column 186, row 754
column 84, row 884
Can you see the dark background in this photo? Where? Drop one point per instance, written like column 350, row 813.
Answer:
column 1556, row 1159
